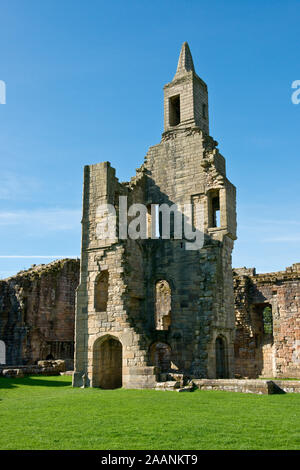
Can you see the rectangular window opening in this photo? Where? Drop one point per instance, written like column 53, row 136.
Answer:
column 217, row 218
column 214, row 209
column 174, row 110
column 154, row 221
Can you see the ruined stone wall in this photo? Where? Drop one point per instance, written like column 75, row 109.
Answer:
column 180, row 167
column 185, row 168
column 258, row 353
column 37, row 313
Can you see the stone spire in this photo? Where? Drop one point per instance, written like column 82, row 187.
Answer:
column 185, row 62
column 185, row 97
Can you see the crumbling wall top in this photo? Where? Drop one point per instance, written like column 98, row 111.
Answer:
column 289, row 274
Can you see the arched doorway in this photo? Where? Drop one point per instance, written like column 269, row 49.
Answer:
column 2, row 352
column 107, row 363
column 161, row 356
column 221, row 361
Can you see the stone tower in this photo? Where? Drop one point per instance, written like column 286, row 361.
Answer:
column 152, row 306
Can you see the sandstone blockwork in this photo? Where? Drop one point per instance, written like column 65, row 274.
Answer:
column 37, row 314
column 152, row 305
column 261, row 347
column 267, row 310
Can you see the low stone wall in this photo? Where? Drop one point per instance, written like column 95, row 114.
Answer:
column 288, row 386
column 168, row 385
column 261, row 387
column 140, row 377
column 43, row 368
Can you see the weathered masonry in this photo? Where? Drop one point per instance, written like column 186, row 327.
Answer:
column 37, row 314
column 267, row 308
column 150, row 307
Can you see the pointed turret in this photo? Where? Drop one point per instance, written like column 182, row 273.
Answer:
column 185, row 97
column 185, row 61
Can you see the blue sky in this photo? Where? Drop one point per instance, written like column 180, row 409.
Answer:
column 84, row 84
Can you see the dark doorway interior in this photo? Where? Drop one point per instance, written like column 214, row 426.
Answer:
column 221, row 368
column 107, row 372
column 161, row 356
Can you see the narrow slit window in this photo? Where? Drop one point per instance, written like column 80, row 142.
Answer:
column 154, row 221
column 2, row 352
column 214, row 209
column 204, row 111
column 174, row 110
column 101, row 292
column 268, row 321
column 162, row 305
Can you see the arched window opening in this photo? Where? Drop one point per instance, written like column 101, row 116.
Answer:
column 2, row 352
column 162, row 305
column 160, row 354
column 221, row 361
column 101, row 292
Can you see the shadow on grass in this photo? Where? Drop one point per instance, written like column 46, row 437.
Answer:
column 32, row 381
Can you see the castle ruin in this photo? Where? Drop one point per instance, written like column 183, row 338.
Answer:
column 150, row 307
column 37, row 314
column 267, row 307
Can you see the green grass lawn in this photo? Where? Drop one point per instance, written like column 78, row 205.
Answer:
column 47, row 413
